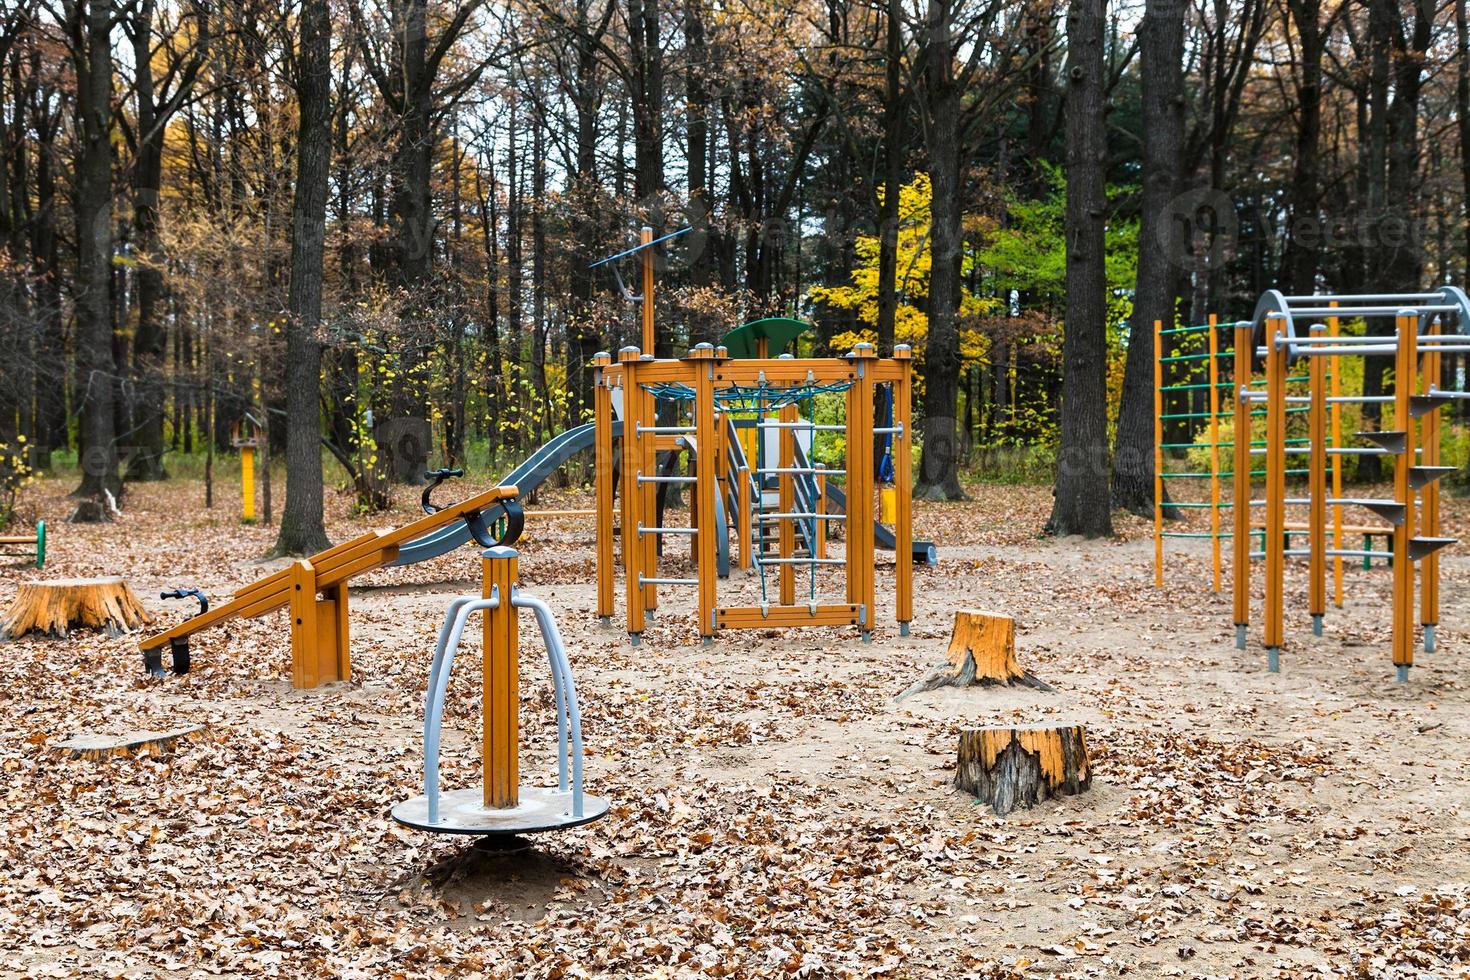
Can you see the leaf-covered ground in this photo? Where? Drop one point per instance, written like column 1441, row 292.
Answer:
column 774, row 813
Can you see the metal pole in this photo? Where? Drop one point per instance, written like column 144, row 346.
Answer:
column 1429, row 590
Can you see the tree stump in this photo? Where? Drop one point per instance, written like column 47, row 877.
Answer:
column 128, row 744
column 982, row 650
column 1020, row 767
column 56, row 607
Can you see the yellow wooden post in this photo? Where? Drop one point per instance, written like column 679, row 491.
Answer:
column 500, row 712
column 648, row 466
column 903, row 486
column 1430, row 521
column 632, row 543
column 1334, row 367
column 1158, row 455
column 1317, row 486
column 786, row 530
column 1275, row 489
column 247, row 484
column 706, row 484
column 860, row 481
column 645, row 235
column 305, row 633
column 1215, row 448
column 1240, row 540
column 1405, row 365
column 742, row 518
column 602, row 475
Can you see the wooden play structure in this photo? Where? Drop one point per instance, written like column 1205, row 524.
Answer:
column 777, row 503
column 57, row 607
column 735, row 412
column 31, row 545
column 1300, row 344
column 315, row 588
column 502, row 804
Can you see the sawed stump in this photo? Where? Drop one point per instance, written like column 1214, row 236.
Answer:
column 59, row 606
column 1020, row 767
column 982, row 650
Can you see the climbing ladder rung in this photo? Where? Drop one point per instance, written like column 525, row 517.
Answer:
column 667, row 479
column 891, row 430
column 666, row 430
column 804, row 426
column 1356, row 553
column 799, row 561
column 668, row 530
column 804, row 517
column 800, row 471
column 667, row 581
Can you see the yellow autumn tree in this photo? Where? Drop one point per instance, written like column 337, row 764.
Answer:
column 911, row 323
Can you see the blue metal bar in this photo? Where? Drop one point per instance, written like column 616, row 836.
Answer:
column 640, row 247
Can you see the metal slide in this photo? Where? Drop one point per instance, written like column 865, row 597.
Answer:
column 526, row 478
column 923, row 551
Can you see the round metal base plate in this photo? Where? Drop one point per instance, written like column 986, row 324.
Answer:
column 463, row 812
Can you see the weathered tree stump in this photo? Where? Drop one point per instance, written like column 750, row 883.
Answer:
column 127, row 744
column 1020, row 767
column 982, row 650
column 57, row 607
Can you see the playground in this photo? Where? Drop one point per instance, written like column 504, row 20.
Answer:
column 773, row 811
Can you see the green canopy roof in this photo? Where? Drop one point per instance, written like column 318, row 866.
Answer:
column 778, row 331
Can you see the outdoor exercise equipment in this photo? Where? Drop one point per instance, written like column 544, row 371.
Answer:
column 702, row 395
column 315, row 588
column 1299, row 342
column 502, row 804
column 34, row 543
column 1291, row 329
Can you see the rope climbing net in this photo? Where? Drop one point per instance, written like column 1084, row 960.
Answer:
column 750, row 398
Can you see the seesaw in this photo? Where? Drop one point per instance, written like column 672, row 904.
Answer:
column 315, row 588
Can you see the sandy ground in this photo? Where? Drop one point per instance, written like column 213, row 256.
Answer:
column 774, row 812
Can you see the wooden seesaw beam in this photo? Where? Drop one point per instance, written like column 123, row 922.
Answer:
column 315, row 589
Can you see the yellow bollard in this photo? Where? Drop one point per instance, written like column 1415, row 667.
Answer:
column 247, row 484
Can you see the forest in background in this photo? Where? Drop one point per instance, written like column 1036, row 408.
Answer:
column 213, row 210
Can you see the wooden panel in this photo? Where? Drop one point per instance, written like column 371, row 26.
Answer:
column 750, row 617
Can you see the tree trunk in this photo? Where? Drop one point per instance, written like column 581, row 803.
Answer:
column 90, row 23
column 1161, row 47
column 1081, row 504
column 302, row 531
column 1303, row 240
column 1021, row 767
column 145, row 457
column 939, row 464
column 893, row 127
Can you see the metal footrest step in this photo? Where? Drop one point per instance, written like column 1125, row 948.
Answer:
column 1393, row 442
column 1424, row 547
column 1422, row 405
column 1390, row 510
column 1422, row 476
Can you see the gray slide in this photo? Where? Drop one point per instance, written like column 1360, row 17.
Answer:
column 924, row 551
column 526, row 477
